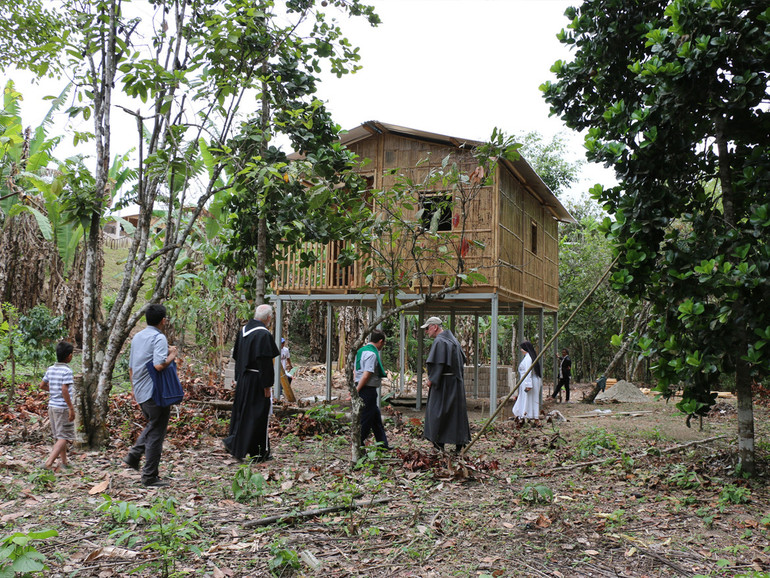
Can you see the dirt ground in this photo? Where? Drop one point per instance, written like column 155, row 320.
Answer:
column 601, row 494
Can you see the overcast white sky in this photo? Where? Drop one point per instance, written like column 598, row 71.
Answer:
column 456, row 67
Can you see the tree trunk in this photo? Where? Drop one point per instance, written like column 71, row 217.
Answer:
column 351, row 323
column 743, row 390
column 103, row 80
column 741, row 309
column 317, row 331
column 641, row 319
column 23, row 263
column 94, row 419
column 356, row 451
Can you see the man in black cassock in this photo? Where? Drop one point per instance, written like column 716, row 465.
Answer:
column 446, row 415
column 253, row 352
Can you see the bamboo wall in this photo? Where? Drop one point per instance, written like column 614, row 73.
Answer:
column 502, row 219
column 324, row 274
column 528, row 266
column 415, row 159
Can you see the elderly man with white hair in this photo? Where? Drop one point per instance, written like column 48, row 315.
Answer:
column 253, row 352
column 446, row 413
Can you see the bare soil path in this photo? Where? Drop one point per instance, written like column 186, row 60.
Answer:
column 520, row 504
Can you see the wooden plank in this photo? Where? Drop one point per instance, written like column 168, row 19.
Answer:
column 286, row 385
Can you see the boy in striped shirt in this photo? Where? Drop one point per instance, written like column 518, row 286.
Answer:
column 58, row 381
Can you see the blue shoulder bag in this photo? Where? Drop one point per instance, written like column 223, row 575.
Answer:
column 166, row 390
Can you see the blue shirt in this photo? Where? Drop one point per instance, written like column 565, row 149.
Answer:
column 147, row 345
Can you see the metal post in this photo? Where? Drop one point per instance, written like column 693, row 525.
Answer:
column 420, row 351
column 493, row 357
column 522, row 337
column 540, row 341
column 476, row 357
column 401, row 352
column 555, row 352
column 329, row 331
column 278, row 330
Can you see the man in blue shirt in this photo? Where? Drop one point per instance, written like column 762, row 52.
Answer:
column 150, row 344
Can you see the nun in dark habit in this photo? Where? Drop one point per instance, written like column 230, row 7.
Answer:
column 253, row 352
column 446, row 414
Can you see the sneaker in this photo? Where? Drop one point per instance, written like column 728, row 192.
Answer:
column 155, row 483
column 131, row 462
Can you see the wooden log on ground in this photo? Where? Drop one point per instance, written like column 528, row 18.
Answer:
column 612, row 460
column 217, row 404
column 313, row 513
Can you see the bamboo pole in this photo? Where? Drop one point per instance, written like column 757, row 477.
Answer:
column 544, row 349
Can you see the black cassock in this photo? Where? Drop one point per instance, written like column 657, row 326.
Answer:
column 446, row 414
column 253, row 352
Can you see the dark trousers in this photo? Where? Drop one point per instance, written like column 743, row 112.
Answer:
column 563, row 381
column 371, row 418
column 150, row 442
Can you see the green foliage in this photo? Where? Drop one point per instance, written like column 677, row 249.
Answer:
column 595, row 442
column 706, row 515
column 732, row 494
column 158, row 528
column 690, row 211
column 548, row 160
column 39, row 332
column 23, row 153
column 584, row 255
column 342, row 492
column 32, row 30
column 10, row 338
column 283, row 558
column 328, row 416
column 248, row 485
column 24, row 160
column 276, row 203
column 536, row 493
column 19, row 558
column 684, row 478
column 203, row 298
column 655, row 434
column 120, row 512
column 626, row 462
column 81, row 198
column 371, row 458
column 214, row 84
column 617, row 518
column 42, row 479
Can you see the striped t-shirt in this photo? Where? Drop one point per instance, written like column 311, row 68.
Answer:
column 57, row 376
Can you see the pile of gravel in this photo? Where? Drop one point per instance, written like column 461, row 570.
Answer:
column 622, row 391
column 723, row 409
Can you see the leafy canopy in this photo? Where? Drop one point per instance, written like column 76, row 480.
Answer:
column 674, row 96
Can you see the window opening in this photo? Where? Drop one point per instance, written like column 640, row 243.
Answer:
column 439, row 206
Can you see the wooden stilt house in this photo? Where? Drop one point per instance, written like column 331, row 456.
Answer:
column 511, row 226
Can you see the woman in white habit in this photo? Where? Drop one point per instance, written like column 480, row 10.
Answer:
column 527, row 405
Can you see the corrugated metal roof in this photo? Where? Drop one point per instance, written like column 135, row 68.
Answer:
column 525, row 173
